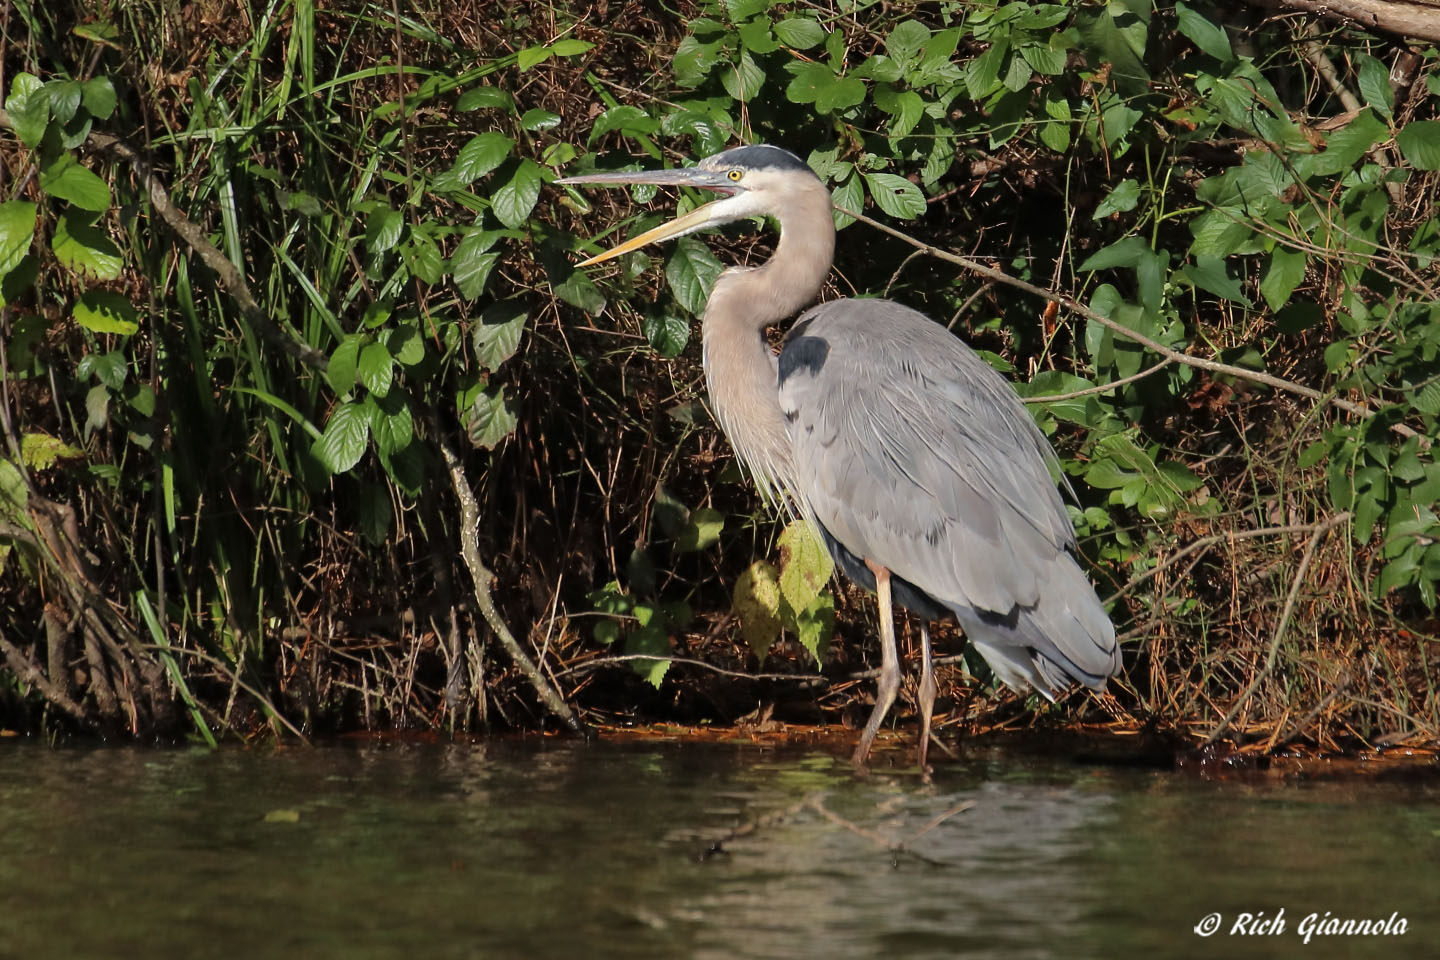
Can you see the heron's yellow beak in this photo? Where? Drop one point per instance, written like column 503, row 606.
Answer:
column 696, row 219
column 682, row 224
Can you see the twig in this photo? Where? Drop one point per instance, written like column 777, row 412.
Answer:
column 1209, row 541
column 1102, row 388
column 1320, row 530
column 483, row 578
column 1069, row 303
column 599, row 662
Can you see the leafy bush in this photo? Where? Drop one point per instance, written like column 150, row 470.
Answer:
column 246, row 469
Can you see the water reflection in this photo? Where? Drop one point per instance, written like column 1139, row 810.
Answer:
column 573, row 850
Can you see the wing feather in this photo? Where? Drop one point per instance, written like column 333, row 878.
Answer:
column 912, row 452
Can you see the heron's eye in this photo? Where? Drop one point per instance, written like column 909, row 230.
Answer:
column 735, row 174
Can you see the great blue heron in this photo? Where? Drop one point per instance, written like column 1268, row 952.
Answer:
column 913, row 459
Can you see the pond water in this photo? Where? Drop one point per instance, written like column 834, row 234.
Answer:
column 575, row 850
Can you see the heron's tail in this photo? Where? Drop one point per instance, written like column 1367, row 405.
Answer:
column 1066, row 637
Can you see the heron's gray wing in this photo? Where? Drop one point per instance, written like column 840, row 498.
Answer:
column 912, row 452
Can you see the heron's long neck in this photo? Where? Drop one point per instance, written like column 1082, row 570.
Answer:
column 740, row 368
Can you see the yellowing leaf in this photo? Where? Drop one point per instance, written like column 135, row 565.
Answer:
column 756, row 602
column 805, row 566
column 40, row 451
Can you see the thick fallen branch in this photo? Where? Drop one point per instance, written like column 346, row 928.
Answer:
column 1399, row 17
column 483, row 577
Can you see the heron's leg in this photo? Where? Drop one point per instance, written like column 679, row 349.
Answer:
column 889, row 664
column 926, row 691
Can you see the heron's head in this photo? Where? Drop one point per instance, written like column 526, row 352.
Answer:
column 753, row 181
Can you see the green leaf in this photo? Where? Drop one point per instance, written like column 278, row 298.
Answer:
column 1055, row 135
column 537, row 119
column 805, row 566
column 694, row 60
column 692, row 270
column 423, row 257
column 571, row 47
column 742, row 80
column 1419, row 143
column 83, row 247
column 98, row 95
column 29, row 109
column 342, row 444
column 104, row 312
column 376, row 520
column 17, row 229
column 569, row 284
column 702, row 531
column 756, row 602
column 497, row 336
column 513, row 202
column 841, row 93
column 1120, row 200
column 69, row 180
column 906, row 108
column 1348, row 144
column 470, row 266
column 1209, row 274
column 490, row 418
column 630, row 120
column 1374, row 82
column 376, row 368
column 755, row 36
column 406, row 344
column 807, row 80
column 1209, row 37
column 982, row 75
column 98, row 31
column 666, row 334
column 1427, row 401
column 1043, row 58
column 741, row 10
column 482, row 98
column 383, row 228
column 906, row 40
column 670, row 513
column 532, row 56
column 1126, row 252
column 802, row 33
column 606, row 632
column 851, row 196
column 341, row 370
column 815, row 625
column 650, row 638
column 480, row 155
column 1283, row 274
column 895, row 195
column 391, row 422
column 64, row 97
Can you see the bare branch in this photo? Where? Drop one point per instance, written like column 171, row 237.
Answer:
column 1402, row 18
